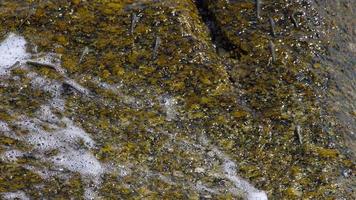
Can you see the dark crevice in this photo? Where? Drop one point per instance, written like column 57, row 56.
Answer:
column 221, row 42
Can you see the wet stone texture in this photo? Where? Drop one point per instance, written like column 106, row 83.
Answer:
column 174, row 99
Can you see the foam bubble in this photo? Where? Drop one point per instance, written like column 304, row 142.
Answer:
column 12, row 50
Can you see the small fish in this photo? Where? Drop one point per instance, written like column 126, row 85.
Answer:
column 294, row 20
column 258, row 9
column 298, row 133
column 273, row 26
column 69, row 83
column 134, row 20
column 84, row 53
column 15, row 65
column 29, row 156
column 272, row 50
column 25, row 20
column 156, row 46
column 46, row 64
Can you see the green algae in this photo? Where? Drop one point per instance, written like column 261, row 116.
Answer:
column 247, row 105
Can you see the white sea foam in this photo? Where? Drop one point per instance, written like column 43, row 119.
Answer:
column 80, row 161
column 90, row 193
column 58, row 104
column 47, row 85
column 46, row 131
column 72, row 144
column 20, row 195
column 229, row 172
column 52, row 86
column 4, row 127
column 45, row 114
column 11, row 155
column 63, row 138
column 229, row 168
column 170, row 108
column 12, row 50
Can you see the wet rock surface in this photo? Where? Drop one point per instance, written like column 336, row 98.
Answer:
column 173, row 100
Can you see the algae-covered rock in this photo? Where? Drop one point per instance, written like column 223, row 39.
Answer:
column 122, row 99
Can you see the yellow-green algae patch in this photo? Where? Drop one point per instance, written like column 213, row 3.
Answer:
column 247, row 105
